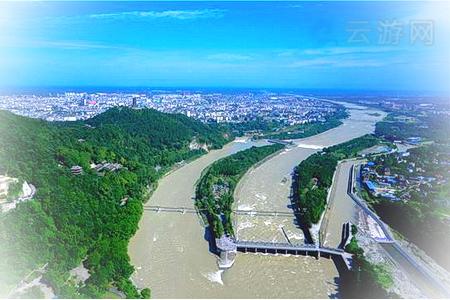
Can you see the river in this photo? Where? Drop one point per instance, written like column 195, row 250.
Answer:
column 170, row 252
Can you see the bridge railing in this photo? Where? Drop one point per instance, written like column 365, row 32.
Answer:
column 237, row 212
column 273, row 244
column 286, row 246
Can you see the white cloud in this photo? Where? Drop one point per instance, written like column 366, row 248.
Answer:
column 331, row 51
column 70, row 45
column 174, row 14
column 229, row 57
column 9, row 42
column 338, row 63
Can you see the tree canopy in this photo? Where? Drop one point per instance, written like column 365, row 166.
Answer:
column 214, row 191
column 88, row 217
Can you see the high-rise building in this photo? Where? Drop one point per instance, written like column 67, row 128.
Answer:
column 134, row 103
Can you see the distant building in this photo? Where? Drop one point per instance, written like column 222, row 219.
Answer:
column 134, row 102
column 371, row 186
column 225, row 243
column 414, row 140
column 4, row 185
column 389, row 196
column 76, row 170
column 106, row 167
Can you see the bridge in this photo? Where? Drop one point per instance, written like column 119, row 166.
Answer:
column 285, row 248
column 229, row 247
column 190, row 210
column 182, row 210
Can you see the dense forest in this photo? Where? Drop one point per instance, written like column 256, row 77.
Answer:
column 214, row 191
column 313, row 177
column 90, row 217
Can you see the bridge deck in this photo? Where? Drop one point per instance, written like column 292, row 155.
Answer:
column 236, row 212
column 288, row 247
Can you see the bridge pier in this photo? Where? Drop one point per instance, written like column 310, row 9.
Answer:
column 228, row 251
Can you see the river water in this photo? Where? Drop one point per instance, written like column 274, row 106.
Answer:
column 170, row 252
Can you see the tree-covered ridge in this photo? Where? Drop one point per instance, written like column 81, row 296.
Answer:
column 214, row 191
column 92, row 216
column 162, row 130
column 313, row 176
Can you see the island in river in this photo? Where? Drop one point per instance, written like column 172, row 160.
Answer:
column 170, row 252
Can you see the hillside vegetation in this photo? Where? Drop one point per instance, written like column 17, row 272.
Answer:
column 88, row 217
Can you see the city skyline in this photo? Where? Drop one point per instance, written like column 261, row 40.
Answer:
column 360, row 46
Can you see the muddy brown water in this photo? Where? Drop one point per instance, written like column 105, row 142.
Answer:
column 171, row 255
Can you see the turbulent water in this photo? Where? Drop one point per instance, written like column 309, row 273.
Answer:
column 172, row 257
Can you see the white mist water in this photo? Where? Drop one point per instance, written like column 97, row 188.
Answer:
column 214, row 276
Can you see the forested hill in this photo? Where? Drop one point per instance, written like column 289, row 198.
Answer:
column 88, row 217
column 161, row 129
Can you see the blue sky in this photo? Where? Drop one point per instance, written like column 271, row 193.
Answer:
column 305, row 45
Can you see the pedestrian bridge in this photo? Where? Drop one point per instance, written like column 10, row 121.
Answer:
column 182, row 210
column 286, row 248
column 191, row 210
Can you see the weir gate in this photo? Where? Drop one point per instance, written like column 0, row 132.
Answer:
column 228, row 247
column 285, row 248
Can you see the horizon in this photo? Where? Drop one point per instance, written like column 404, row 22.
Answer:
column 224, row 45
column 221, row 89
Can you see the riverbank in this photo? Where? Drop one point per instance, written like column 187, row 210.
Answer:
column 342, row 208
column 172, row 257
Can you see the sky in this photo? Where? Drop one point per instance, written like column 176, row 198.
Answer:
column 305, row 45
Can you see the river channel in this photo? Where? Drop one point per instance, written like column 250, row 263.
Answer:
column 171, row 255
